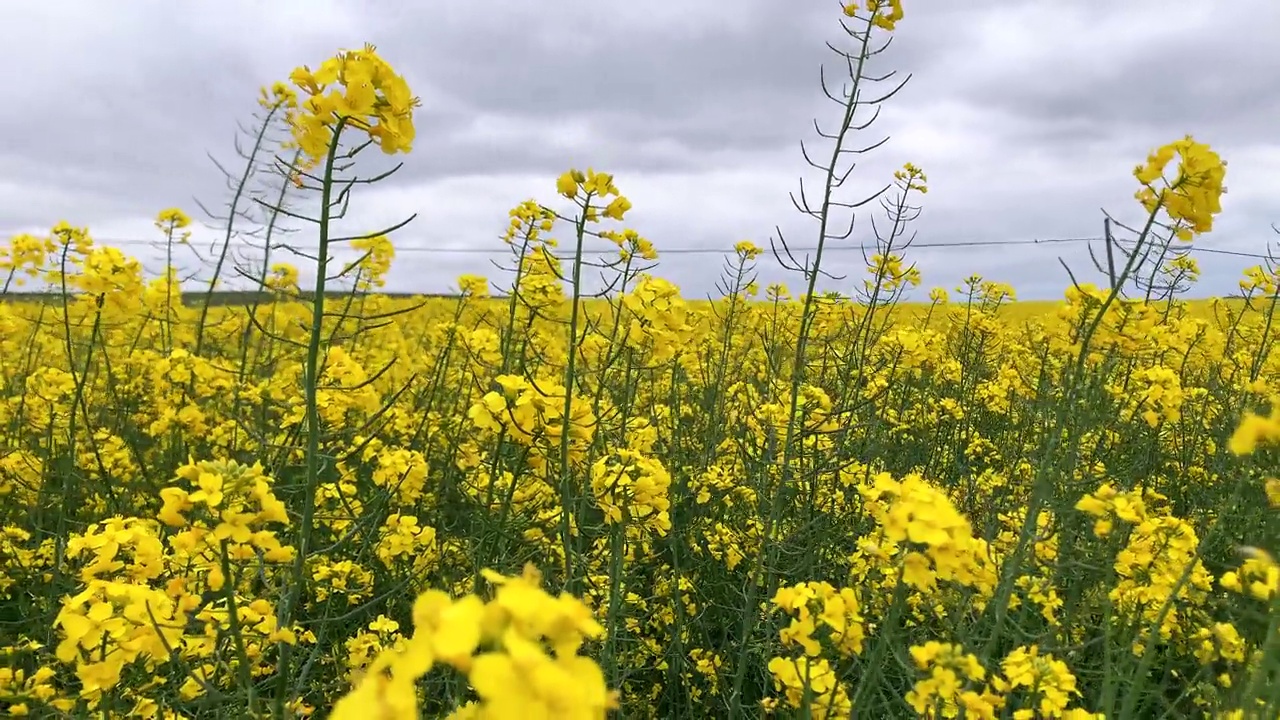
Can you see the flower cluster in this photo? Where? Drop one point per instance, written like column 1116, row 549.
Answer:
column 658, row 320
column 919, row 526
column 815, row 605
column 883, row 14
column 952, row 674
column 632, row 490
column 1193, row 197
column 357, row 88
column 532, row 413
column 1161, row 579
column 810, row 685
column 574, row 184
column 519, row 652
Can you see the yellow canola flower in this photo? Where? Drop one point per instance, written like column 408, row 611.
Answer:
column 1255, row 430
column 1194, row 195
column 359, row 88
column 530, row 667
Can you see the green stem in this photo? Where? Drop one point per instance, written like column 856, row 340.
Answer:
column 312, row 411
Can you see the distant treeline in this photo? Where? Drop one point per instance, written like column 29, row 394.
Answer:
column 222, row 297
column 249, row 297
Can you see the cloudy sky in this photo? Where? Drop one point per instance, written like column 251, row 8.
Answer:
column 1027, row 115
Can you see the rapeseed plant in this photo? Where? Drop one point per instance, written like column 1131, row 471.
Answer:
column 526, row 500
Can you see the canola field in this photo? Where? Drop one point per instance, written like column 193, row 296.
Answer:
column 524, row 502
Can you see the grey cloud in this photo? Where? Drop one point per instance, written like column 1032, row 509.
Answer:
column 1156, row 69
column 1028, row 116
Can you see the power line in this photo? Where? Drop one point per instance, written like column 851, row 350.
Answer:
column 722, row 251
column 668, row 251
column 828, row 248
column 1217, row 251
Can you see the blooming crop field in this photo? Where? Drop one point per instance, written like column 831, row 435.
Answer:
column 528, row 502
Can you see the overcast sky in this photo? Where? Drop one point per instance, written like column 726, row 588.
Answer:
column 1027, row 115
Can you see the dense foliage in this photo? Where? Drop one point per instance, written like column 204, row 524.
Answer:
column 547, row 505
